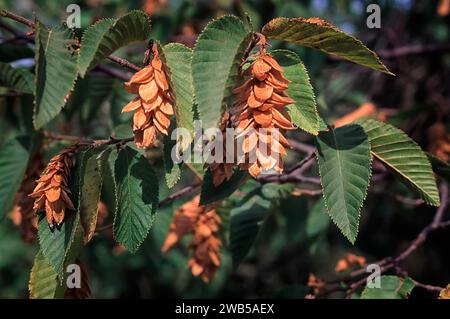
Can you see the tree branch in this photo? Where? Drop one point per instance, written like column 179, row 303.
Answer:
column 113, row 72
column 15, row 17
column 413, row 50
column 390, row 262
column 86, row 141
column 166, row 201
column 122, row 62
column 294, row 174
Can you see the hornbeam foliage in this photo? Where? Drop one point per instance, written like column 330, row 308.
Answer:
column 231, row 76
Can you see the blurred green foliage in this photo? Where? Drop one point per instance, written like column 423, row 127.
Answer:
column 296, row 237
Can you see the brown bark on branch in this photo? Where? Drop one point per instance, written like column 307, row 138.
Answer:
column 122, row 62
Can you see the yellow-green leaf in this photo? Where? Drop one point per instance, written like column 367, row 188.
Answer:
column 44, row 282
column 400, row 153
column 321, row 35
column 215, row 65
column 304, row 111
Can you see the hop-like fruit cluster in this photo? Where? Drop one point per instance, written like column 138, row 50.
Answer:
column 52, row 190
column 221, row 170
column 439, row 141
column 154, row 104
column 350, row 261
column 203, row 223
column 22, row 213
column 259, row 115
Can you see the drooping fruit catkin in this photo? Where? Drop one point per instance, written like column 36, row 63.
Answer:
column 260, row 116
column 52, row 191
column 154, row 104
column 203, row 223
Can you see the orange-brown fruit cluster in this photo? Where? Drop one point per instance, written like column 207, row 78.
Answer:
column 439, row 141
column 52, row 189
column 203, row 223
column 444, row 8
column 260, row 104
column 364, row 110
column 152, row 6
column 445, row 293
column 23, row 214
column 102, row 212
column 154, row 104
column 318, row 286
column 222, row 171
column 350, row 261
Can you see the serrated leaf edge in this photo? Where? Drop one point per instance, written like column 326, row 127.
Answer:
column 153, row 217
column 317, row 124
column 396, row 170
column 36, row 79
column 250, row 32
column 331, row 26
column 352, row 240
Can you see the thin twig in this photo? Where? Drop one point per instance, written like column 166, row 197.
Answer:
column 86, row 141
column 112, row 72
column 294, row 174
column 15, row 17
column 169, row 199
column 301, row 147
column 409, row 201
column 306, row 191
column 403, row 273
column 428, row 287
column 122, row 62
column 419, row 49
column 182, row 192
column 436, row 223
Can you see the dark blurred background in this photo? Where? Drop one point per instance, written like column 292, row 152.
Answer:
column 413, row 42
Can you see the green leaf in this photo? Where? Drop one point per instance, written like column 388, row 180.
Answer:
column 56, row 242
column 323, row 126
column 90, row 190
column 56, row 72
column 317, row 221
column 391, row 287
column 172, row 170
column 211, row 193
column 88, row 97
column 344, row 165
column 61, row 244
column 304, row 112
column 108, row 35
column 137, row 198
column 215, row 65
column 318, row 34
column 20, row 80
column 44, row 280
column 440, row 167
column 179, row 59
column 14, row 157
column 244, row 226
column 400, row 153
